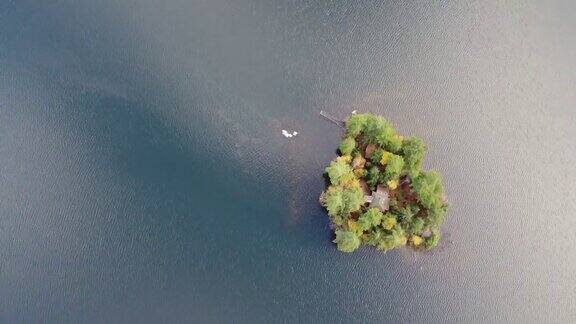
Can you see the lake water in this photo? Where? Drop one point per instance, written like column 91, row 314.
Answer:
column 144, row 176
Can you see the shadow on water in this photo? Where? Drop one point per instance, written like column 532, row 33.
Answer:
column 191, row 218
column 188, row 233
column 129, row 192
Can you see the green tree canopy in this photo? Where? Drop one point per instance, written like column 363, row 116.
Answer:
column 372, row 217
column 347, row 146
column 340, row 201
column 346, row 241
column 395, row 144
column 374, row 236
column 393, row 240
column 355, row 124
column 334, row 201
column 428, row 189
column 376, row 157
column 433, row 239
column 417, row 225
column 377, row 130
column 393, row 168
column 373, row 176
column 353, row 199
column 414, row 150
column 337, row 169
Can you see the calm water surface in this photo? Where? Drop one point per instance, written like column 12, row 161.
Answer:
column 144, row 178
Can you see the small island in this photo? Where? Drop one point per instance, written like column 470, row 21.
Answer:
column 378, row 194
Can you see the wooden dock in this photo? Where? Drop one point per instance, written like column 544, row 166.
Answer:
column 332, row 119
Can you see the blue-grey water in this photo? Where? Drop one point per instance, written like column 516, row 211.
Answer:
column 144, row 178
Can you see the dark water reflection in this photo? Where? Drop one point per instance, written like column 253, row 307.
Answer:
column 143, row 176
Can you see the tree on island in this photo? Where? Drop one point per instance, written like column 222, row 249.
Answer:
column 374, row 155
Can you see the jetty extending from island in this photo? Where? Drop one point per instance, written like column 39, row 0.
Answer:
column 330, row 118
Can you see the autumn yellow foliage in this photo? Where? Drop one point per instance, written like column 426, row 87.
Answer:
column 385, row 158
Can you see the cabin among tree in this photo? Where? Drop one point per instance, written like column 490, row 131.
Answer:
column 379, row 199
column 378, row 193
